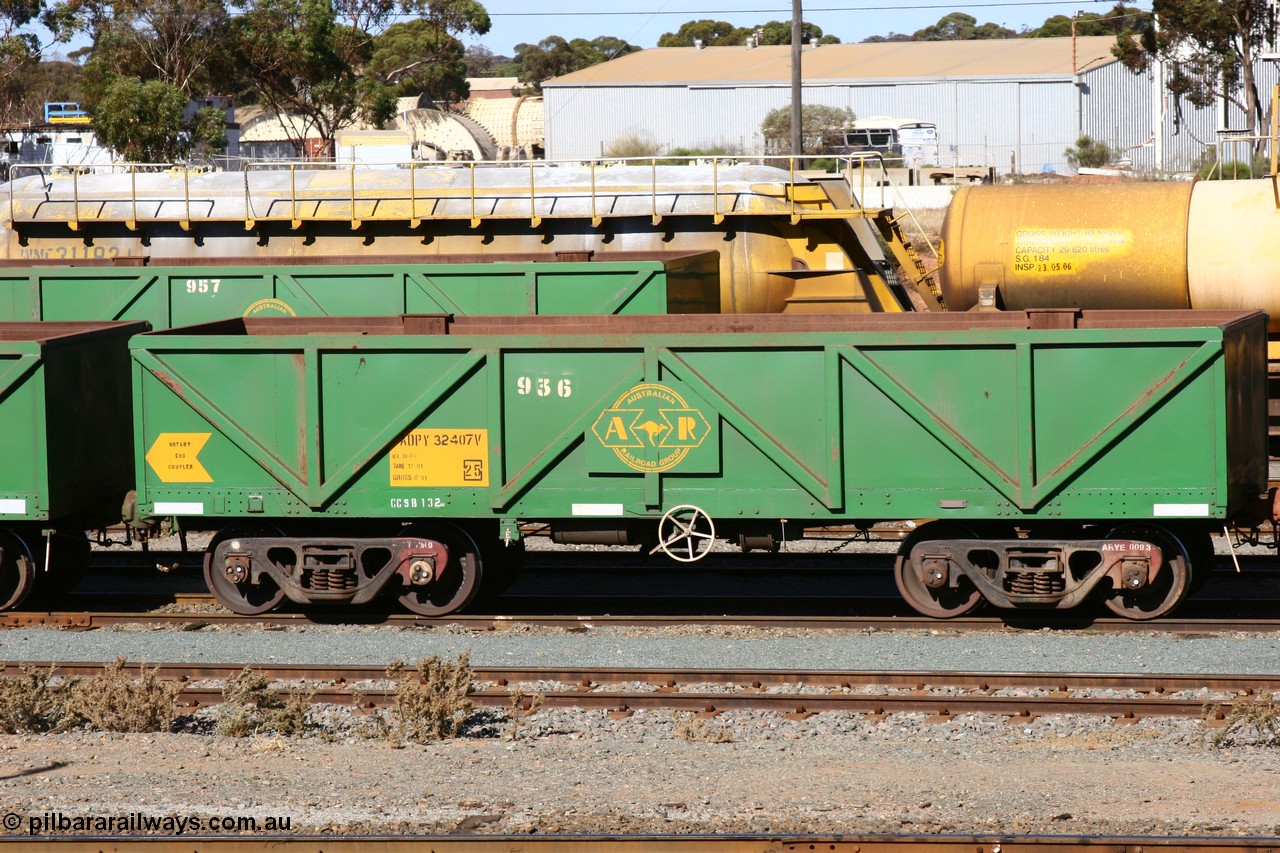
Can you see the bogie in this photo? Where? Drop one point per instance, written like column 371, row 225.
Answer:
column 945, row 569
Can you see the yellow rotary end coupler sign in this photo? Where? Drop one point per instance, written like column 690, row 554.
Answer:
column 173, row 457
column 651, row 428
column 1066, row 251
column 456, row 458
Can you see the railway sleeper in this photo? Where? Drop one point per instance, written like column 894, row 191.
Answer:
column 1022, row 573
column 346, row 570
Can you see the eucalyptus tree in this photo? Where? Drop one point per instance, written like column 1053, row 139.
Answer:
column 180, row 42
column 424, row 56
column 1210, row 49
column 19, row 53
column 321, row 61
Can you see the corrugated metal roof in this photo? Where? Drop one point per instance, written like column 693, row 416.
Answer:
column 1019, row 57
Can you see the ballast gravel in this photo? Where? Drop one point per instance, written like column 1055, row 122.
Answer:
column 576, row 771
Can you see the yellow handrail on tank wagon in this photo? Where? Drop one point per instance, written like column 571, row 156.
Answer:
column 299, row 204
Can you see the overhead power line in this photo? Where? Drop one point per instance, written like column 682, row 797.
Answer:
column 778, row 10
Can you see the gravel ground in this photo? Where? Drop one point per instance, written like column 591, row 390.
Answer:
column 573, row 771
column 581, row 772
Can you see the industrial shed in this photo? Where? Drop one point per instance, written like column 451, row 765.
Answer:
column 1015, row 104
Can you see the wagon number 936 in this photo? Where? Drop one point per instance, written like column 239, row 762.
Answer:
column 542, row 386
column 203, row 285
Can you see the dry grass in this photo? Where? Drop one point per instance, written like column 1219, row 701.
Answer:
column 431, row 701
column 697, row 730
column 633, row 145
column 28, row 703
column 250, row 707
column 519, row 712
column 929, row 220
column 116, row 701
column 1256, row 722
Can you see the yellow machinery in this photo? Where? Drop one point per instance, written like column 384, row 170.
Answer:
column 786, row 244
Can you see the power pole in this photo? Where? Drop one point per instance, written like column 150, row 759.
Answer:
column 797, row 142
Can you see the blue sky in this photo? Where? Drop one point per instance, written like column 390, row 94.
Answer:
column 642, row 22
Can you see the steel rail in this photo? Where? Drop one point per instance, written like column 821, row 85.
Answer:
column 87, row 620
column 650, row 844
column 981, row 696
column 587, row 677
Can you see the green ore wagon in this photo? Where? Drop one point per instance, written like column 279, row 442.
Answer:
column 166, row 296
column 66, row 455
column 1058, row 453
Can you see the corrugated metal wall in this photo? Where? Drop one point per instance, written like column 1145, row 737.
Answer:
column 1022, row 126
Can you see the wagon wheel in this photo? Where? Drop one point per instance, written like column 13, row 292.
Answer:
column 17, row 570
column 946, row 602
column 1171, row 584
column 245, row 598
column 686, row 534
column 457, row 586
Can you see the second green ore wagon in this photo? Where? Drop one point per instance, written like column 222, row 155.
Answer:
column 1057, row 454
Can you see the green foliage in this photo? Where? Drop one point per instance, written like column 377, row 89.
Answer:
column 1089, row 153
column 820, row 125
column 413, row 58
column 695, row 153
column 554, row 56
column 425, row 56
column 24, row 92
column 178, row 43
column 19, row 50
column 482, row 62
column 1112, row 23
column 957, row 26
column 208, row 131
column 710, row 33
column 1211, row 169
column 1210, row 46
column 141, row 121
column 779, row 32
column 303, row 61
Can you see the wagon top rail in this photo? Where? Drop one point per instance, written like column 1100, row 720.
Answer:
column 298, row 192
column 619, row 326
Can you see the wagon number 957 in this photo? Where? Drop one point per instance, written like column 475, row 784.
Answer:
column 541, row 386
column 203, row 285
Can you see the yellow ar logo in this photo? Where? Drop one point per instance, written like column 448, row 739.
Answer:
column 651, row 428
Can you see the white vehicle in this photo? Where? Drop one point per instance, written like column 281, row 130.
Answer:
column 915, row 141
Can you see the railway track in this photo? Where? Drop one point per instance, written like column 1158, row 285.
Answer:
column 1020, row 696
column 77, row 620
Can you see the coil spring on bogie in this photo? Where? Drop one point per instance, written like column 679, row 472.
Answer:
column 1034, row 583
column 329, row 580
